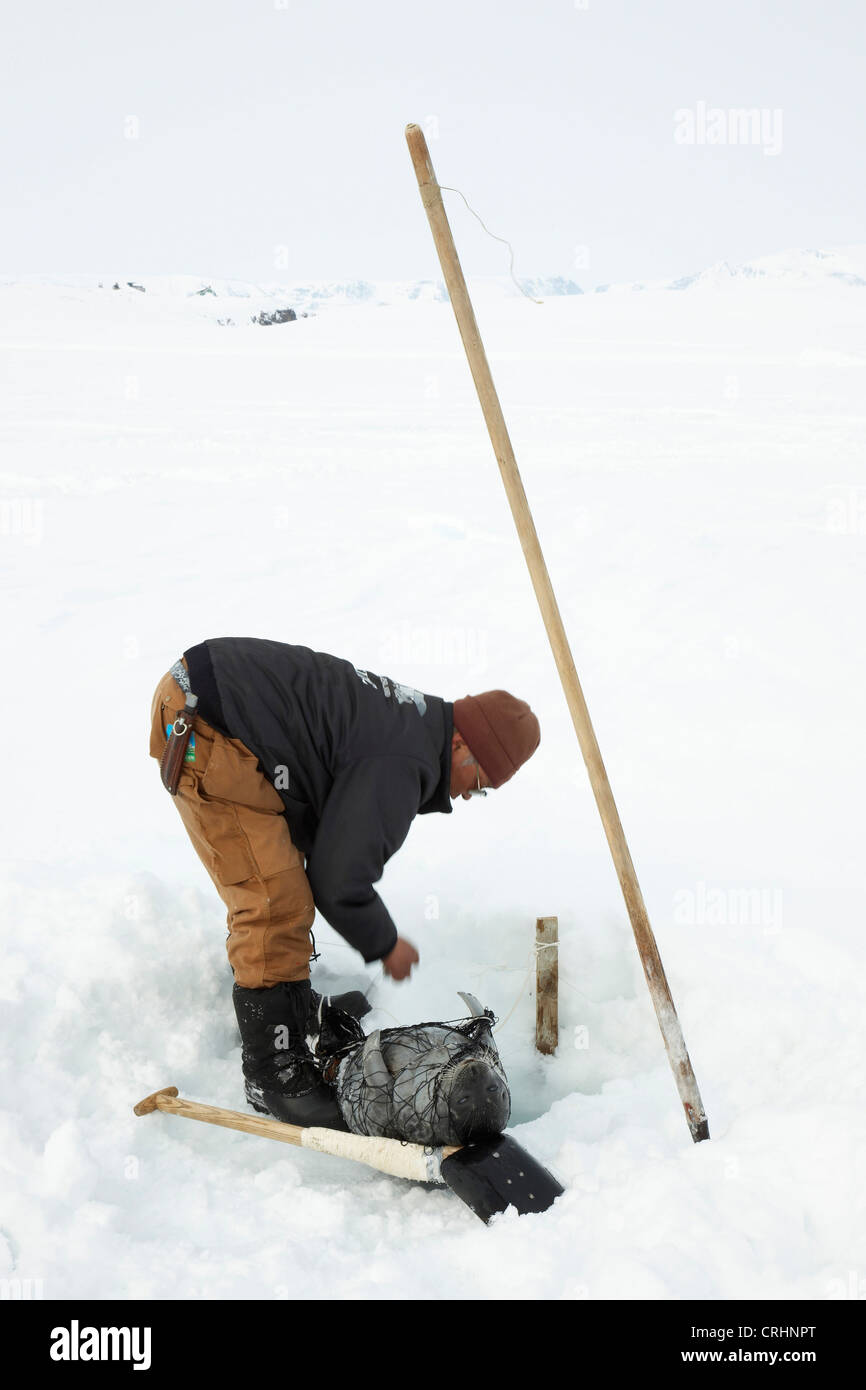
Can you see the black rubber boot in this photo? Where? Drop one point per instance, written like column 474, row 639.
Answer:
column 281, row 1078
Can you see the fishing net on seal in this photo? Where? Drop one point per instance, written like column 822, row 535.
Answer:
column 425, row 1083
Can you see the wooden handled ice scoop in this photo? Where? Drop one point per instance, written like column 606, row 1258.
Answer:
column 489, row 1175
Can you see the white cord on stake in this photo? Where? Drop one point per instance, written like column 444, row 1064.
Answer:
column 449, row 189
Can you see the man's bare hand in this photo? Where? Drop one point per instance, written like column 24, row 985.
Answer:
column 398, row 963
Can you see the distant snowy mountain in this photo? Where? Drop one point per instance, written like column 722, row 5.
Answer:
column 842, row 265
column 846, row 265
column 239, row 302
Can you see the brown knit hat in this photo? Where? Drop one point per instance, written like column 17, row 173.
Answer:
column 499, row 730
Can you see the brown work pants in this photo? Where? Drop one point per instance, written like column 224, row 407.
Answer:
column 233, row 815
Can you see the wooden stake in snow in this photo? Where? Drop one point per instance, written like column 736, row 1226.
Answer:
column 547, row 984
column 659, row 990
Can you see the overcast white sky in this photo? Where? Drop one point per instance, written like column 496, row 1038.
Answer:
column 196, row 136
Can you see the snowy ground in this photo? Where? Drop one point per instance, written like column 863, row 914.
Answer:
column 695, row 465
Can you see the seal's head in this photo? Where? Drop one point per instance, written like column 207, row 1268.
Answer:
column 479, row 1102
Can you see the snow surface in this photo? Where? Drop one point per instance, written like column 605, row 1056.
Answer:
column 695, row 467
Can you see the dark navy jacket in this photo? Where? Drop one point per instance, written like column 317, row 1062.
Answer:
column 354, row 756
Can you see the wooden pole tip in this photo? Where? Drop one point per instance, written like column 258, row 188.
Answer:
column 149, row 1103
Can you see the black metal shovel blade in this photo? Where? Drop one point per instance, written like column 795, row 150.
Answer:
column 490, row 1175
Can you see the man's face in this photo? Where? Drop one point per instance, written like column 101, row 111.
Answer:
column 466, row 773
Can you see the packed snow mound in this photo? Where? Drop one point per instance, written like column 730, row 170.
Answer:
column 693, row 463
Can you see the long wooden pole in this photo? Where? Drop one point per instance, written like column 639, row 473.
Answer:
column 659, row 989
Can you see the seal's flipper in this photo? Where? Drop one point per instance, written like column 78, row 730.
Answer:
column 471, row 1003
column 376, row 1072
column 338, row 1030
